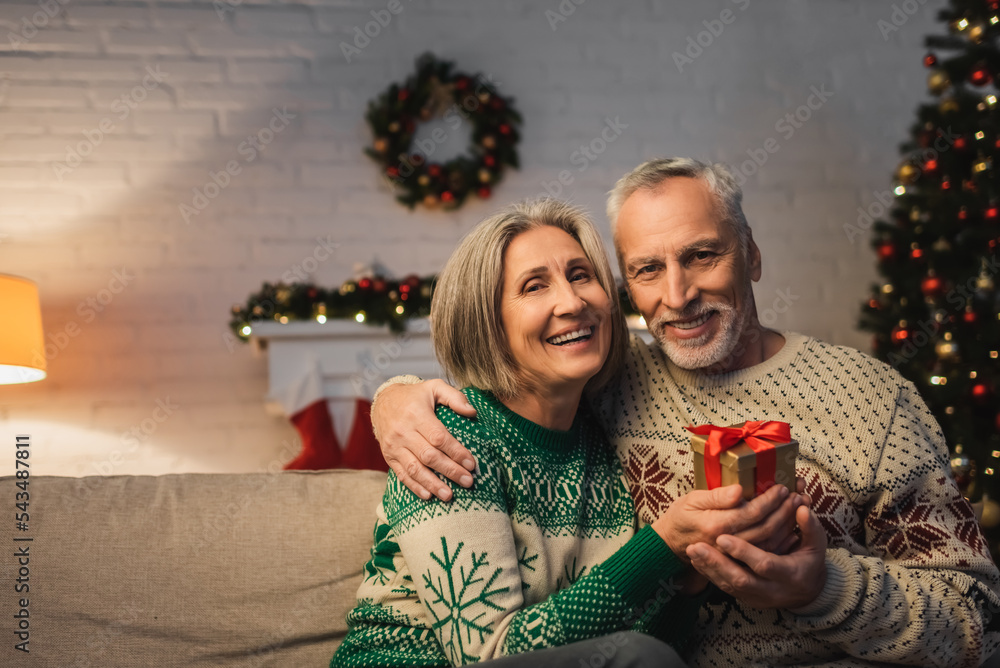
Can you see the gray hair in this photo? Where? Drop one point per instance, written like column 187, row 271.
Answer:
column 650, row 175
column 466, row 322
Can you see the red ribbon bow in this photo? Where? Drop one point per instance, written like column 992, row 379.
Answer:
column 760, row 436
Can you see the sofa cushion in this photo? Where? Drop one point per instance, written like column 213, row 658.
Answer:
column 191, row 570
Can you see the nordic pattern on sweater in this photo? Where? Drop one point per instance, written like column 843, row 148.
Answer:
column 541, row 552
column 909, row 577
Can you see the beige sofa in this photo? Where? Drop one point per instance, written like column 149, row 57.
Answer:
column 246, row 570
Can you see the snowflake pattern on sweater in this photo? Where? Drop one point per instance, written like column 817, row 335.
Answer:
column 909, row 578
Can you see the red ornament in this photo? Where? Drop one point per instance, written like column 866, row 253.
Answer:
column 404, row 296
column 993, row 4
column 392, row 172
column 412, row 281
column 916, row 254
column 496, row 103
column 434, row 170
column 980, row 76
column 969, row 317
column 931, row 166
column 945, row 184
column 490, row 160
column 311, row 293
column 504, row 129
column 461, row 83
column 992, row 213
column 963, row 214
column 969, row 185
column 932, row 286
column 365, row 284
column 484, row 192
column 447, row 196
column 417, row 159
column 874, row 304
column 900, row 334
column 930, row 60
column 379, row 286
column 981, row 391
column 961, row 143
column 886, row 251
column 403, row 94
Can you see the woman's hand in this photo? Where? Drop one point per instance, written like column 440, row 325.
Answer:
column 414, row 441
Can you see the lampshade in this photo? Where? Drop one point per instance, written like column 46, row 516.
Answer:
column 22, row 345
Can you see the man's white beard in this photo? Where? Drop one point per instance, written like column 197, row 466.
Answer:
column 704, row 351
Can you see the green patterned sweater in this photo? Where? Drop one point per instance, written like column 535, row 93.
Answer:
column 542, row 551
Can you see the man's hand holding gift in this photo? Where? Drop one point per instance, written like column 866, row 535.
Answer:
column 767, row 565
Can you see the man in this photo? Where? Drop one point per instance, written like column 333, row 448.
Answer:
column 901, row 576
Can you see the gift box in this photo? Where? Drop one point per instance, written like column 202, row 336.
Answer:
column 754, row 455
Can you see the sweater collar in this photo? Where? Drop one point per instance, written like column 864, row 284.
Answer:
column 552, row 439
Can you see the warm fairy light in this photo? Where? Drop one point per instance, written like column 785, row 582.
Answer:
column 972, row 374
column 399, row 309
column 991, row 100
column 993, row 354
column 995, row 454
column 887, row 288
column 947, row 336
column 360, row 317
column 994, row 20
column 989, row 471
column 980, row 135
column 949, row 410
column 321, row 318
column 283, row 320
column 962, row 24
column 245, row 331
column 938, row 380
column 899, row 190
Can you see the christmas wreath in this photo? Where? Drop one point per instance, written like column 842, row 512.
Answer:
column 373, row 300
column 436, row 91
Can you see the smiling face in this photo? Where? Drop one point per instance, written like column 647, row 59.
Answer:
column 687, row 274
column 556, row 315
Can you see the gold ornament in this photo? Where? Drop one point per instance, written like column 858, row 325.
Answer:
column 981, row 166
column 348, row 287
column 976, row 32
column 283, row 294
column 484, row 97
column 907, row 173
column 423, row 180
column 946, row 350
column 490, row 142
column 949, row 106
column 938, row 81
column 394, row 126
column 381, row 145
column 430, row 201
column 485, row 176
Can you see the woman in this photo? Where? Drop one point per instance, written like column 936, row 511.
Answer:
column 542, row 551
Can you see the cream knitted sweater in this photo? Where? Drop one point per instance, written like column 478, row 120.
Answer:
column 909, row 577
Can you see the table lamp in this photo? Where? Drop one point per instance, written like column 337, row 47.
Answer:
column 22, row 345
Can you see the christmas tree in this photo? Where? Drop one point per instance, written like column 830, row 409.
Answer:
column 936, row 311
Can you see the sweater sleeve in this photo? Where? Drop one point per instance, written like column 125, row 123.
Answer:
column 466, row 571
column 925, row 593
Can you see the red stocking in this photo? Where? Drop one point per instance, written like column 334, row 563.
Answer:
column 305, row 405
column 362, row 450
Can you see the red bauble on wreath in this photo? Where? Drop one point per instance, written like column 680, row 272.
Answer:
column 435, row 90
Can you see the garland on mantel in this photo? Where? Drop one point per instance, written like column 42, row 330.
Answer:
column 374, row 300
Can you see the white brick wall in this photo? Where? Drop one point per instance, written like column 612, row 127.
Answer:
column 161, row 336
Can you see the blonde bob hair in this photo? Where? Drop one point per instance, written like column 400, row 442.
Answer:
column 466, row 321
